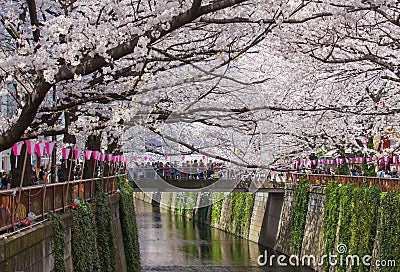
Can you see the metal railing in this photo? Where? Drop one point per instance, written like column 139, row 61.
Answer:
column 384, row 184
column 187, row 173
column 41, row 199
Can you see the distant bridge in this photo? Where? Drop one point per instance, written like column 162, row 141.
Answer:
column 236, row 181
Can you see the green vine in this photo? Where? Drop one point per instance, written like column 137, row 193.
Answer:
column 369, row 170
column 128, row 225
column 301, row 198
column 216, row 208
column 364, row 222
column 331, row 217
column 85, row 256
column 169, row 202
column 58, row 242
column 241, row 211
column 105, row 234
column 191, row 201
column 353, row 212
column 390, row 228
column 344, row 169
column 179, row 204
column 347, row 197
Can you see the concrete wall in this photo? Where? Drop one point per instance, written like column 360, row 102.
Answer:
column 31, row 249
column 284, row 236
column 313, row 242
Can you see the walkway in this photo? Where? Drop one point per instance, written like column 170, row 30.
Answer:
column 41, row 199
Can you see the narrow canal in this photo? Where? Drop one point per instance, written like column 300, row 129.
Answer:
column 169, row 243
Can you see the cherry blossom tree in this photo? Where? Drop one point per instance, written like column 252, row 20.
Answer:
column 249, row 81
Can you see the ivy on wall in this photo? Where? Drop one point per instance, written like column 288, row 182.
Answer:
column 331, row 216
column 364, row 222
column 390, row 228
column 128, row 225
column 58, row 242
column 241, row 212
column 180, row 204
column 105, row 234
column 353, row 213
column 191, row 201
column 169, row 202
column 85, row 255
column 301, row 198
column 216, row 208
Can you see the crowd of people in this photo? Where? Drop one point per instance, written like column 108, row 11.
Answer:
column 193, row 169
column 355, row 170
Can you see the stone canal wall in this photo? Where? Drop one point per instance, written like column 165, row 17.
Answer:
column 31, row 249
column 312, row 242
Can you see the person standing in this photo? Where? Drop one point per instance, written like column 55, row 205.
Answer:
column 42, row 175
column 202, row 169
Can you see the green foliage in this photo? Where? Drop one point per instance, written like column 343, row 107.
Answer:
column 356, row 209
column 241, row 211
column 390, row 228
column 331, row 216
column 216, row 208
column 105, row 234
column 58, row 242
column 369, row 170
column 346, row 212
column 169, row 202
column 202, row 215
column 364, row 222
column 128, row 225
column 179, row 204
column 301, row 198
column 85, row 256
column 344, row 169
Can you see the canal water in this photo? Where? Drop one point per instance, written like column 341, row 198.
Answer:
column 169, row 243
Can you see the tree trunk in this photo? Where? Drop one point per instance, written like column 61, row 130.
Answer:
column 16, row 173
column 111, row 149
column 66, row 168
column 93, row 143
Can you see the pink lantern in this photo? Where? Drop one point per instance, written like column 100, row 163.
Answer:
column 109, row 157
column 17, row 147
column 102, row 157
column 77, row 153
column 65, row 153
column 49, row 147
column 88, row 154
column 30, row 146
column 183, row 158
column 39, row 148
column 95, row 155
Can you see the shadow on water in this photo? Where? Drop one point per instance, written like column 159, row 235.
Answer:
column 170, row 243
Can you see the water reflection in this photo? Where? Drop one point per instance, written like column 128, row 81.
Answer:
column 169, row 243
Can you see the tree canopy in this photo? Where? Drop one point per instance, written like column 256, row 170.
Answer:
column 253, row 81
